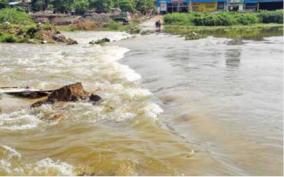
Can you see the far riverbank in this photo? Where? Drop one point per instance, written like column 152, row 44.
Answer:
column 242, row 25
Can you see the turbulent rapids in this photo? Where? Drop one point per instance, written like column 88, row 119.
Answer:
column 89, row 137
column 205, row 107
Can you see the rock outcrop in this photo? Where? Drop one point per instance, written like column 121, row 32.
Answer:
column 100, row 41
column 61, row 38
column 70, row 93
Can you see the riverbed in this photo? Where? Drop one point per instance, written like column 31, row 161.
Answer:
column 171, row 107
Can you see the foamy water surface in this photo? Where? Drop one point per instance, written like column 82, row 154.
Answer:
column 191, row 108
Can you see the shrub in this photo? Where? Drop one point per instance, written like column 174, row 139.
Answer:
column 31, row 31
column 246, row 18
column 222, row 19
column 10, row 38
column 271, row 16
column 14, row 16
column 126, row 5
column 134, row 29
column 113, row 25
column 177, row 18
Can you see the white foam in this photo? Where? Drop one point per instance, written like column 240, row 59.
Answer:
column 47, row 164
column 153, row 110
column 138, row 92
column 20, row 120
column 128, row 73
column 5, row 166
column 11, row 152
column 97, row 67
column 18, row 166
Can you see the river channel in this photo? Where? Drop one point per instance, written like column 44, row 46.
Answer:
column 211, row 106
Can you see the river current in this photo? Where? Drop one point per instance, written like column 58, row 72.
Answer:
column 170, row 107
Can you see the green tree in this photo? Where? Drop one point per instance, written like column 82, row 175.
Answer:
column 3, row 3
column 145, row 5
column 127, row 5
column 80, row 6
column 15, row 16
column 62, row 6
column 102, row 5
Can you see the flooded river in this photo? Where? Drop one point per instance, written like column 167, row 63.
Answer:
column 170, row 107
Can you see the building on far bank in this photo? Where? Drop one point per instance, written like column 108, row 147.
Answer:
column 270, row 4
column 204, row 5
column 250, row 5
column 169, row 6
column 221, row 5
column 235, row 5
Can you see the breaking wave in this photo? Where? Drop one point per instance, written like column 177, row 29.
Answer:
column 52, row 66
column 96, row 66
column 13, row 163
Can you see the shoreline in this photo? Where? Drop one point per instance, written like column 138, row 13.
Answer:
column 234, row 32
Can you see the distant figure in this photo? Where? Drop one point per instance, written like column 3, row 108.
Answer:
column 158, row 25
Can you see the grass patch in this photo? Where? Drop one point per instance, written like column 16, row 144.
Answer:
column 14, row 16
column 9, row 38
column 18, row 27
column 256, row 32
column 271, row 16
column 224, row 18
column 247, row 25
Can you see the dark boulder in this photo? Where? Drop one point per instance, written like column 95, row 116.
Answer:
column 61, row 38
column 70, row 93
column 100, row 41
column 71, row 42
column 73, row 92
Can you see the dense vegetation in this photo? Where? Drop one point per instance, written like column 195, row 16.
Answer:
column 257, row 31
column 15, row 17
column 224, row 19
column 81, row 6
column 18, row 26
column 271, row 16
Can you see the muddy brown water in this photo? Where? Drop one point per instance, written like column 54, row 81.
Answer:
column 171, row 107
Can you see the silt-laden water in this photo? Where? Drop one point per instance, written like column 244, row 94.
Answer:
column 171, row 107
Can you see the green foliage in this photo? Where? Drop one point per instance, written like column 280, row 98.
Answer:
column 102, row 5
column 222, row 19
column 210, row 19
column 271, row 16
column 3, row 3
column 113, row 26
column 14, row 16
column 62, row 5
column 127, row 5
column 9, row 38
column 177, row 18
column 39, row 5
column 144, row 6
column 257, row 31
column 247, row 18
column 80, row 6
column 31, row 31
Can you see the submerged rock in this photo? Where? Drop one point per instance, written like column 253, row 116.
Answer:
column 70, row 93
column 61, row 38
column 193, row 36
column 100, row 41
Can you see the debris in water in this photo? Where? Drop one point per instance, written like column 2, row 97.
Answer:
column 70, row 93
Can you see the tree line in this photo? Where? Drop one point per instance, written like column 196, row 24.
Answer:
column 81, row 6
